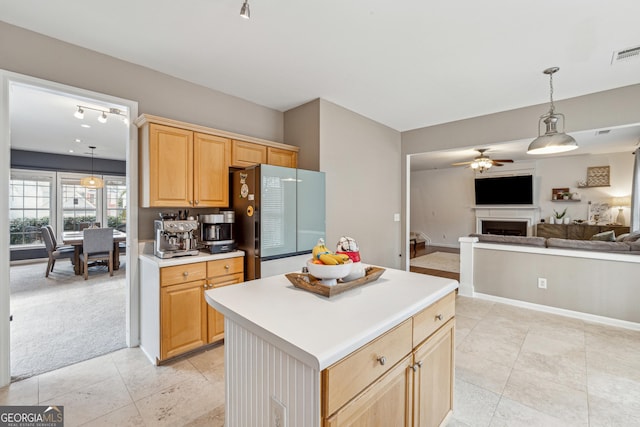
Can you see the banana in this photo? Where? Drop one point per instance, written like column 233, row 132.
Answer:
column 327, row 259
column 342, row 258
column 322, row 253
column 320, row 249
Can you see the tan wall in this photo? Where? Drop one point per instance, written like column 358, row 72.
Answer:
column 595, row 286
column 362, row 161
column 302, row 129
column 614, row 107
column 33, row 54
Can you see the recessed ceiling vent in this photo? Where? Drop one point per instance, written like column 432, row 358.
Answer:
column 603, row 132
column 626, row 54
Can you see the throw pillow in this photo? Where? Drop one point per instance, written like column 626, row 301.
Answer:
column 632, row 237
column 605, row 236
column 621, row 237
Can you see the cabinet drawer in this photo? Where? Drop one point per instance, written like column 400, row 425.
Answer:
column 431, row 318
column 344, row 380
column 183, row 273
column 222, row 267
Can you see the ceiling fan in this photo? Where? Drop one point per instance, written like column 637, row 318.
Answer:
column 482, row 162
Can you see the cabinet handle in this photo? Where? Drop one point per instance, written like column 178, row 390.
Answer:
column 226, row 267
column 197, row 201
column 439, row 317
column 382, row 360
column 190, row 202
column 204, row 286
column 416, row 366
column 185, row 274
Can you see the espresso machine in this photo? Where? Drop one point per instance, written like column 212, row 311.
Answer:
column 174, row 238
column 216, row 232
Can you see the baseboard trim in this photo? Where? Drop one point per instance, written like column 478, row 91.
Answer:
column 609, row 321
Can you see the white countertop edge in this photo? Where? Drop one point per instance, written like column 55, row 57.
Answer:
column 333, row 354
column 187, row 259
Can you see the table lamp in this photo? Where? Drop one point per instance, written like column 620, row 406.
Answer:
column 620, row 203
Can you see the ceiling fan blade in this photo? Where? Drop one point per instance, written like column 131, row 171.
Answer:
column 504, row 160
column 461, row 163
column 497, row 164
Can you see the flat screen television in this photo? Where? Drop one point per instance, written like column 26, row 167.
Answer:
column 505, row 190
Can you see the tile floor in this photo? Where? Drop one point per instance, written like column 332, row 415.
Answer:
column 514, row 367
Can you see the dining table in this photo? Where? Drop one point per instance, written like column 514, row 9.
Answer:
column 76, row 238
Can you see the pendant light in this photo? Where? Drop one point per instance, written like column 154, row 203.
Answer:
column 92, row 181
column 552, row 141
column 244, row 10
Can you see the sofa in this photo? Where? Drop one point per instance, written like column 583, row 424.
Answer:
column 593, row 280
column 627, row 244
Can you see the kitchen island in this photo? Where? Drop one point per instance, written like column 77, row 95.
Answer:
column 380, row 354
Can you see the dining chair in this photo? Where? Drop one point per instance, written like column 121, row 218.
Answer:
column 53, row 250
column 97, row 245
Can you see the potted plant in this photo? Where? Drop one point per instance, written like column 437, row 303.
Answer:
column 566, row 195
column 557, row 216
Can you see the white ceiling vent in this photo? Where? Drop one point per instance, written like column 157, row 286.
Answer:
column 626, row 54
column 603, row 132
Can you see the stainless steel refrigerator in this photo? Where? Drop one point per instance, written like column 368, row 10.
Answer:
column 279, row 212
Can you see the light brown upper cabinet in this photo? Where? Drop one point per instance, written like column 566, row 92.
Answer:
column 280, row 157
column 181, row 168
column 244, row 154
column 187, row 165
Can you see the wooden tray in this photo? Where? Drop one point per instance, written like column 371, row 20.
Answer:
column 310, row 283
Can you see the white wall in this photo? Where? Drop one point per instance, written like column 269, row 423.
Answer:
column 567, row 171
column 362, row 161
column 442, row 199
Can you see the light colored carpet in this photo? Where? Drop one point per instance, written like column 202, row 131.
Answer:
column 64, row 319
column 442, row 261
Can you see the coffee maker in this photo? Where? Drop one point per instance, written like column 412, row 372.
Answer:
column 216, row 232
column 175, row 238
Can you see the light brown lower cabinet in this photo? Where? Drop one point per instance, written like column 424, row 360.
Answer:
column 183, row 318
column 221, row 273
column 412, row 382
column 187, row 322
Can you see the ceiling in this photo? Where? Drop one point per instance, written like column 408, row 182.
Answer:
column 406, row 64
column 42, row 120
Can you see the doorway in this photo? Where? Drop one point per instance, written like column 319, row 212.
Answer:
column 9, row 80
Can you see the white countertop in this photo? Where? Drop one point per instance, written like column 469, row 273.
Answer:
column 318, row 330
column 188, row 259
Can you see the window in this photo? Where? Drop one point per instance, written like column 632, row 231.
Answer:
column 115, row 195
column 38, row 198
column 31, row 196
column 80, row 206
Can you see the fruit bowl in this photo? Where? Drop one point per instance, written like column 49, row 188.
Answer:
column 329, row 274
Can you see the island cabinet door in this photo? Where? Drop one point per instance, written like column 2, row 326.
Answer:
column 433, row 378
column 386, row 402
column 183, row 318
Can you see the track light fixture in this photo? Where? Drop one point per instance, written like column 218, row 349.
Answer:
column 552, row 141
column 102, row 118
column 244, row 10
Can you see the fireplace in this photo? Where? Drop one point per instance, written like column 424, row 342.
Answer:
column 505, row 228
